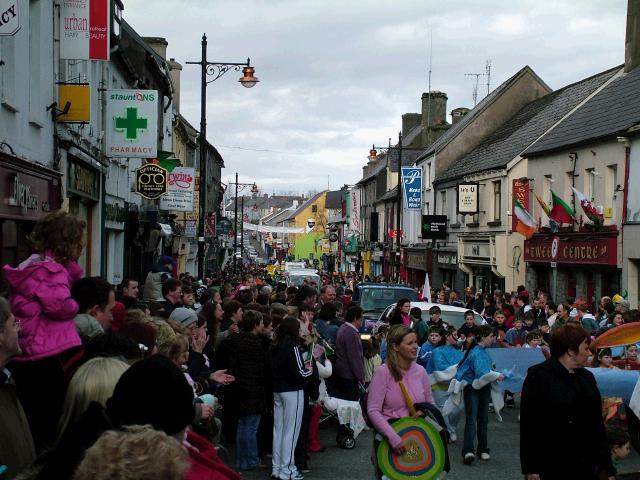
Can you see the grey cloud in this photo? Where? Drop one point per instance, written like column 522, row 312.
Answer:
column 336, row 76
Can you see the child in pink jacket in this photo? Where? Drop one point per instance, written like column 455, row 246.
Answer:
column 41, row 301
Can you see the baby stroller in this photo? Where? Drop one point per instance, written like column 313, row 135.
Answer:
column 349, row 416
column 348, row 413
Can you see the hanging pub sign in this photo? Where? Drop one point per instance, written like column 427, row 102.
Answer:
column 151, row 181
column 520, row 190
column 412, row 184
column 434, row 227
column 133, row 118
column 84, row 29
column 179, row 197
column 9, row 17
column 467, row 203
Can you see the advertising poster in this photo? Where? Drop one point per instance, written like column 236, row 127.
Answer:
column 84, row 29
column 180, row 187
column 133, row 118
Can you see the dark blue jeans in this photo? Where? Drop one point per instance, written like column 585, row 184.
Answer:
column 476, row 409
column 247, row 442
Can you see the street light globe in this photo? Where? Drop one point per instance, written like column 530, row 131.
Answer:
column 248, row 78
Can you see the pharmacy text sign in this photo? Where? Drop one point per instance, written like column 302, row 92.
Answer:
column 133, row 129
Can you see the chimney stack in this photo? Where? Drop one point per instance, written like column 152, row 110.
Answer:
column 457, row 114
column 632, row 41
column 409, row 121
column 434, row 108
column 158, row 44
column 175, row 70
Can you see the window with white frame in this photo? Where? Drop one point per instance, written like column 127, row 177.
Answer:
column 443, row 202
column 497, row 201
column 547, row 187
column 611, row 185
column 590, row 183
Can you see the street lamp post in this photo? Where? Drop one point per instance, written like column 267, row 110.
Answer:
column 254, row 189
column 214, row 70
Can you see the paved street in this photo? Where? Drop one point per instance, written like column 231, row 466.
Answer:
column 336, row 463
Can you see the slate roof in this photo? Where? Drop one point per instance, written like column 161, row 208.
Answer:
column 381, row 164
column 525, row 127
column 278, row 217
column 408, row 156
column 304, row 205
column 334, row 200
column 458, row 127
column 390, row 195
column 613, row 110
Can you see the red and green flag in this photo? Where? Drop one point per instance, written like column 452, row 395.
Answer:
column 561, row 212
column 588, row 208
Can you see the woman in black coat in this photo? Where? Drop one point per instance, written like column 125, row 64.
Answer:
column 562, row 433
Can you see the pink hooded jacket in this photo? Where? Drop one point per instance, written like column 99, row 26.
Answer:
column 41, row 300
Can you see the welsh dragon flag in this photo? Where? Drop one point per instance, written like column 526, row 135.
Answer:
column 588, row 208
column 526, row 225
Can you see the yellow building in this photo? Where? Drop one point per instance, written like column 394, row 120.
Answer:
column 312, row 216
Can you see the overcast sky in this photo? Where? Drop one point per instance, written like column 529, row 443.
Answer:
column 336, row 76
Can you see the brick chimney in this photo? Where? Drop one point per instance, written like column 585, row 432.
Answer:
column 409, row 121
column 632, row 41
column 159, row 45
column 434, row 108
column 457, row 114
column 175, row 70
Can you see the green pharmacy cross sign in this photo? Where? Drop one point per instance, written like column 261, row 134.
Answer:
column 131, row 123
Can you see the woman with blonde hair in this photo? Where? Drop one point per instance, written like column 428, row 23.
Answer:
column 93, row 382
column 138, row 453
column 386, row 400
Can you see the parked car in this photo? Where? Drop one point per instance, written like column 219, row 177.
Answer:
column 373, row 298
column 450, row 315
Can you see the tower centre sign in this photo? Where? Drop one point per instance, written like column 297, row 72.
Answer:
column 133, row 115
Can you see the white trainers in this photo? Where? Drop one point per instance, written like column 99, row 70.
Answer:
column 469, row 458
column 485, row 456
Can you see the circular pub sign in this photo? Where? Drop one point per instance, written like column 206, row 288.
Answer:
column 554, row 248
column 151, row 181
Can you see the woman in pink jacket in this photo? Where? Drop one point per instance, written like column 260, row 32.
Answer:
column 385, row 400
column 41, row 301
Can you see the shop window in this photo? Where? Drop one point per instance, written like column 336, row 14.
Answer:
column 547, row 187
column 590, row 183
column 497, row 201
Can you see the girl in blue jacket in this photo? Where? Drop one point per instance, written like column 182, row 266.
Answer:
column 475, row 378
